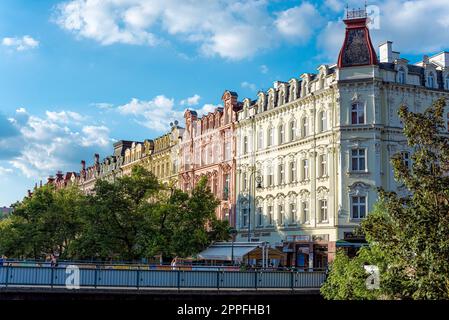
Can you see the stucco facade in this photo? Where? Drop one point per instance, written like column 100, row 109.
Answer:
column 208, row 149
column 313, row 151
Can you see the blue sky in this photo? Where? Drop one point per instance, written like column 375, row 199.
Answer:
column 77, row 75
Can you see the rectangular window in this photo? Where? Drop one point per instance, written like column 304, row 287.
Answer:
column 292, row 213
column 357, row 113
column 293, row 171
column 270, row 176
column 305, row 212
column 406, row 158
column 323, row 211
column 259, row 216
column 305, row 169
column 244, row 217
column 292, row 130
column 260, row 139
column 281, row 174
column 245, row 145
column 358, row 160
column 226, row 187
column 358, row 207
column 270, row 141
column 245, row 181
column 228, row 151
column 281, row 134
column 280, row 214
column 323, row 165
column 270, row 215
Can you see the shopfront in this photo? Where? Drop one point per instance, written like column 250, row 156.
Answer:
column 308, row 251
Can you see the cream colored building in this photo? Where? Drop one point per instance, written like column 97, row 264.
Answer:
column 313, row 151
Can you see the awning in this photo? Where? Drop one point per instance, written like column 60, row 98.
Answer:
column 347, row 244
column 225, row 253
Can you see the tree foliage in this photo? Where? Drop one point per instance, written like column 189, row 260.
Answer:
column 407, row 234
column 132, row 218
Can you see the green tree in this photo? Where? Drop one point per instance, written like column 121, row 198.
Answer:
column 43, row 224
column 407, row 234
column 112, row 219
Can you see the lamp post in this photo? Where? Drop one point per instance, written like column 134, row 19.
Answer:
column 252, row 196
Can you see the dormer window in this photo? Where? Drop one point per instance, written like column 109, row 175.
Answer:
column 401, row 76
column 430, row 80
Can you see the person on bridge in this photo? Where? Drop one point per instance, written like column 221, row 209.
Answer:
column 174, row 262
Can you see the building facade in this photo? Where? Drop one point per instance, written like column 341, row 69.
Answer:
column 208, row 149
column 313, row 151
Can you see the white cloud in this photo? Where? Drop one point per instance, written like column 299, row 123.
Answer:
column 248, row 85
column 5, row 171
column 298, row 24
column 53, row 142
column 264, row 69
column 102, row 105
column 95, row 136
column 156, row 114
column 64, row 116
column 233, row 29
column 191, row 101
column 20, row 44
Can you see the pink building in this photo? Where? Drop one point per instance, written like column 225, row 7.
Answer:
column 208, row 148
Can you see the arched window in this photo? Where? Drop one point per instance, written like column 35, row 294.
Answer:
column 357, row 113
column 292, row 212
column 446, row 82
column 281, row 213
column 305, row 211
column 430, row 80
column 304, row 127
column 322, row 118
column 270, row 137
column 260, row 139
column 401, row 76
column 292, row 129
column 245, row 145
column 281, row 134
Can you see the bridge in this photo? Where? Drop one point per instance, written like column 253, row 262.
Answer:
column 26, row 279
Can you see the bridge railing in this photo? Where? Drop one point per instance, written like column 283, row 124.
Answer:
column 26, row 276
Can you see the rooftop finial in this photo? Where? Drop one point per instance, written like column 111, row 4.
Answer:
column 356, row 13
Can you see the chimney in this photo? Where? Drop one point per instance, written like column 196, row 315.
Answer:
column 83, row 165
column 386, row 52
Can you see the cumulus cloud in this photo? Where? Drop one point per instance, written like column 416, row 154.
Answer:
column 157, row 113
column 233, row 29
column 56, row 141
column 191, row 101
column 4, row 171
column 248, row 85
column 20, row 44
column 298, row 24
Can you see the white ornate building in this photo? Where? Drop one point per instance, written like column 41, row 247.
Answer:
column 313, row 151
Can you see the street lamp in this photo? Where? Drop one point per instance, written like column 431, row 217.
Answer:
column 258, row 182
